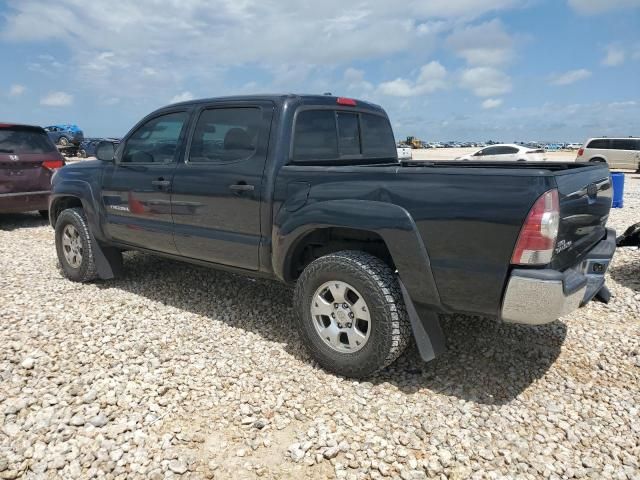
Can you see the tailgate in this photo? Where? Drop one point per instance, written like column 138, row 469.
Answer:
column 585, row 199
column 23, row 173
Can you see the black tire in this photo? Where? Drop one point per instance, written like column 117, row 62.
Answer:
column 597, row 160
column 389, row 323
column 86, row 271
column 63, row 141
column 44, row 214
column 82, row 153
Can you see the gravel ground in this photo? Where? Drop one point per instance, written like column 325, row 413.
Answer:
column 177, row 371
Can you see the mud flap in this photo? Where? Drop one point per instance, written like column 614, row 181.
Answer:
column 426, row 329
column 108, row 260
column 630, row 238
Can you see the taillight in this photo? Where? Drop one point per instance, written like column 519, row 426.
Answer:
column 538, row 236
column 346, row 101
column 580, row 152
column 53, row 164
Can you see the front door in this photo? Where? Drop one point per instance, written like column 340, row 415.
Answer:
column 136, row 188
column 217, row 190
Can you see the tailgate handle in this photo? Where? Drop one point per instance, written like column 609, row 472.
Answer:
column 160, row 183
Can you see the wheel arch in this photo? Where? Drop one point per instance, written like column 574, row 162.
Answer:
column 382, row 229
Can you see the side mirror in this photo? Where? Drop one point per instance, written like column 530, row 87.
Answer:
column 105, row 151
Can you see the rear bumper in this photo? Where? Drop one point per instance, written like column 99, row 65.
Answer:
column 24, row 201
column 535, row 297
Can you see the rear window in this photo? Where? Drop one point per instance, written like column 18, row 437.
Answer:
column 599, row 143
column 330, row 135
column 24, row 140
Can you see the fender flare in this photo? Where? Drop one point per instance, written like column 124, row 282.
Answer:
column 391, row 222
column 81, row 190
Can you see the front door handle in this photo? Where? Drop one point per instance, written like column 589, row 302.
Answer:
column 161, row 183
column 241, row 187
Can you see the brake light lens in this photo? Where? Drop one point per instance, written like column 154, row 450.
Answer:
column 346, row 101
column 580, row 152
column 539, row 233
column 53, row 164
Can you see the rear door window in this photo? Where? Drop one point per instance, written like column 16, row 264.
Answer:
column 23, row 140
column 225, row 135
column 600, row 143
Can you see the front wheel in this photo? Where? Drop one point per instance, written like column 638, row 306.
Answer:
column 63, row 141
column 351, row 315
column 73, row 246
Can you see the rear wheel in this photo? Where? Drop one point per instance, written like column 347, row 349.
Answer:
column 73, row 246
column 597, row 160
column 351, row 315
column 82, row 153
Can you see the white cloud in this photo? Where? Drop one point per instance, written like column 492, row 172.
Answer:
column 485, row 81
column 484, row 44
column 162, row 48
column 355, row 81
column 491, row 103
column 628, row 103
column 57, row 99
column 16, row 90
column 614, row 57
column 593, row 7
column 572, row 76
column 182, row 97
column 432, row 77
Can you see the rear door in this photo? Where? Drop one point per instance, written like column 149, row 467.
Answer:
column 585, row 200
column 136, row 188
column 217, row 191
column 23, row 153
column 600, row 147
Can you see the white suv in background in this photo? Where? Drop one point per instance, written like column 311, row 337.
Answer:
column 617, row 152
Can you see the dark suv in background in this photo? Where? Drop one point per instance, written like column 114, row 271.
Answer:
column 27, row 161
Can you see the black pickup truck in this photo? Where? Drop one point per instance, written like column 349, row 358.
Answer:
column 308, row 190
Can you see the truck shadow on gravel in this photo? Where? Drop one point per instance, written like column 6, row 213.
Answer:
column 13, row 221
column 486, row 362
column 627, row 275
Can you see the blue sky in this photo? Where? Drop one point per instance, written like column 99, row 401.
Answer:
column 443, row 69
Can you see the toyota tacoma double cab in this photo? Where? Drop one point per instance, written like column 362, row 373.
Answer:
column 308, row 190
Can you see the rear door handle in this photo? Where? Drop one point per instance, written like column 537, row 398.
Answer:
column 161, row 183
column 241, row 187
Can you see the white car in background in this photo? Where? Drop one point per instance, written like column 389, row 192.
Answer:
column 573, row 146
column 616, row 152
column 508, row 152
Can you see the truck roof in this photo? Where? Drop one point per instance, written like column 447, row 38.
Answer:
column 281, row 98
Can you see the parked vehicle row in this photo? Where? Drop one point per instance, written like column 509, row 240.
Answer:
column 308, row 190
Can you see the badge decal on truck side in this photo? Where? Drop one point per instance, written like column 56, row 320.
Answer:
column 563, row 245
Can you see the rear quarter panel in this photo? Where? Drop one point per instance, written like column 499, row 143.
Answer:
column 468, row 220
